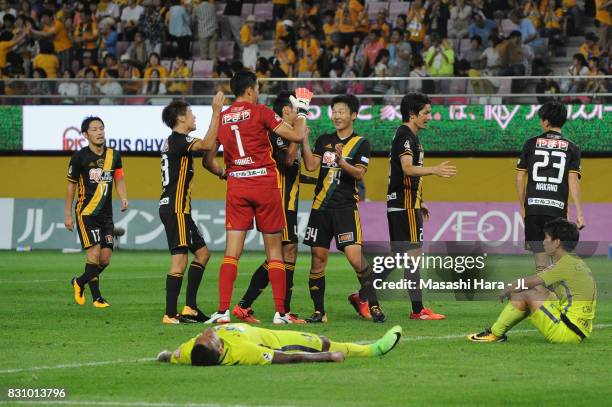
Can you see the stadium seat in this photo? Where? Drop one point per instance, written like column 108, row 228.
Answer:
column 203, row 68
column 247, row 10
column 374, row 7
column 225, row 50
column 263, row 11
column 396, row 8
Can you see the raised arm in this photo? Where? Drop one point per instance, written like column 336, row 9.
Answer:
column 311, row 161
column 209, row 142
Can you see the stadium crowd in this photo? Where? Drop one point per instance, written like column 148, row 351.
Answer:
column 161, row 44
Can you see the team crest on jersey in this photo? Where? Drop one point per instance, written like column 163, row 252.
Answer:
column 407, row 145
column 329, row 159
column 100, row 162
column 279, row 142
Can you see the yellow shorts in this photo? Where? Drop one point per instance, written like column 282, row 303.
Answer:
column 294, row 341
column 548, row 321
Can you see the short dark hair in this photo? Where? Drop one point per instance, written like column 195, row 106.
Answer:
column 87, row 121
column 9, row 18
column 555, row 112
column 6, row 36
column 350, row 100
column 203, row 356
column 241, row 81
column 564, row 230
column 171, row 112
column 281, row 101
column 413, row 103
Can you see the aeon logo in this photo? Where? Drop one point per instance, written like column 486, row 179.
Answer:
column 72, row 139
column 491, row 226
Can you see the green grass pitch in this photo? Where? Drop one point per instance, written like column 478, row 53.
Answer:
column 103, row 356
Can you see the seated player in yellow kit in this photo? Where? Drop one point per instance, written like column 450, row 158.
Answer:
column 243, row 344
column 559, row 301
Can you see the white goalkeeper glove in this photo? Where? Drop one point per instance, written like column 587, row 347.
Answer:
column 301, row 101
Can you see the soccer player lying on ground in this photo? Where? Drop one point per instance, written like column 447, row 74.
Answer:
column 243, row 344
column 560, row 301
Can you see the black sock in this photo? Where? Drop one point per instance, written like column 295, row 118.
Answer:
column 416, row 295
column 91, row 271
column 316, row 285
column 259, row 281
column 94, row 284
column 173, row 289
column 194, row 277
column 289, row 269
column 367, row 290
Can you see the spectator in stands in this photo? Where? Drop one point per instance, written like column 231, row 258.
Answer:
column 205, row 16
column 88, row 88
column 437, row 16
column 139, row 51
column 154, row 65
column 362, row 25
column 154, row 85
column 5, row 8
column 152, row 27
column 590, row 47
column 88, row 63
column 39, row 88
column 110, row 88
column 68, row 89
column 46, row 59
column 110, row 64
column 86, row 33
column 511, row 55
column 416, row 25
column 529, row 34
column 596, row 85
column 459, row 22
column 54, row 30
column 418, row 71
column 547, row 86
column 130, row 16
column 481, row 26
column 400, row 22
column 330, row 29
column 179, row 27
column 128, row 73
column 603, row 21
column 108, row 37
column 8, row 42
column 233, row 14
column 285, row 56
column 382, row 25
column 179, row 71
column 107, row 8
column 371, row 48
column 490, row 59
column 8, row 22
column 473, row 53
column 346, row 21
column 578, row 68
column 552, row 27
column 278, row 8
column 530, row 11
column 308, row 53
column 381, row 70
column 393, row 46
column 440, row 60
column 250, row 41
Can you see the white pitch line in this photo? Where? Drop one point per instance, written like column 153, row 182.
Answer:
column 120, row 361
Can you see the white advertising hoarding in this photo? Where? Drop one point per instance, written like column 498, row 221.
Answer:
column 128, row 128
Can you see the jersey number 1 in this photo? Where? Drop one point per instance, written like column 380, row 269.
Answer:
column 238, row 139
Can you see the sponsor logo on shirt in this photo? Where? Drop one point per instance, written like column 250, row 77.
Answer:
column 164, row 201
column 97, row 175
column 392, row 196
column 329, row 159
column 407, row 145
column 365, row 159
column 235, row 117
column 546, row 202
column 552, row 144
column 258, row 172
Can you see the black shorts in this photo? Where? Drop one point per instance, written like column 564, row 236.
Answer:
column 343, row 225
column 534, row 232
column 406, row 226
column 182, row 232
column 290, row 235
column 95, row 230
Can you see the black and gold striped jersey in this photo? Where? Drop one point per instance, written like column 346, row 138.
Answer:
column 289, row 174
column 336, row 189
column 405, row 191
column 94, row 175
column 177, row 173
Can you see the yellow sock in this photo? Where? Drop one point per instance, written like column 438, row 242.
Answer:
column 351, row 349
column 509, row 317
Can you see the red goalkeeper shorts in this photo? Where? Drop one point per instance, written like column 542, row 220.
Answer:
column 263, row 204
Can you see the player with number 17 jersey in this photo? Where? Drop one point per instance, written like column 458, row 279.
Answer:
column 253, row 186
